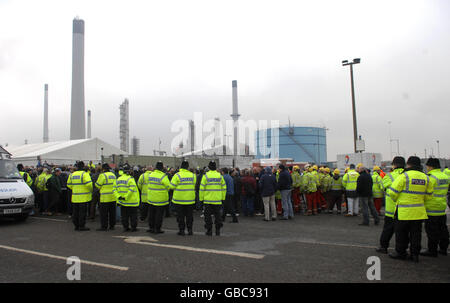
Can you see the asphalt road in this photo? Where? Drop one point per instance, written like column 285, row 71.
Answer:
column 323, row 248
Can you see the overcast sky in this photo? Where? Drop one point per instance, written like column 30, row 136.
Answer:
column 171, row 58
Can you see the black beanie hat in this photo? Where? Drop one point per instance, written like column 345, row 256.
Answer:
column 159, row 165
column 185, row 164
column 414, row 161
column 212, row 165
column 433, row 162
column 106, row 166
column 80, row 165
column 399, row 162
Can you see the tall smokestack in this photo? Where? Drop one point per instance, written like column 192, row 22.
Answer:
column 235, row 115
column 89, row 121
column 77, row 114
column 45, row 139
column 124, row 126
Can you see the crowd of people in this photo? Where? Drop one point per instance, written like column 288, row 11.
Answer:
column 274, row 193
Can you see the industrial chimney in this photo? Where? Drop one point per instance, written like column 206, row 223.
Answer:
column 45, row 139
column 89, row 121
column 77, row 114
column 235, row 115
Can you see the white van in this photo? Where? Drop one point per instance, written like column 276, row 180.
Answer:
column 16, row 197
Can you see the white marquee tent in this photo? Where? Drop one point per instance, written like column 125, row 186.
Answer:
column 63, row 152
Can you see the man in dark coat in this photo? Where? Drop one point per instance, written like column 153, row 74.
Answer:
column 364, row 191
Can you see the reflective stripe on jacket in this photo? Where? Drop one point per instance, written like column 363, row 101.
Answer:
column 410, row 191
column 438, row 203
column 349, row 181
column 81, row 185
column 126, row 188
column 143, row 185
column 106, row 182
column 183, row 184
column 158, row 188
column 377, row 188
column 389, row 209
column 213, row 188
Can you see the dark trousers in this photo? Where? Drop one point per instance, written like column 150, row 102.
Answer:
column 45, row 201
column 185, row 216
column 143, row 210
column 228, row 207
column 129, row 216
column 54, row 198
column 237, row 202
column 93, row 204
column 107, row 214
column 335, row 198
column 79, row 211
column 408, row 232
column 213, row 209
column 155, row 216
column 388, row 231
column 437, row 233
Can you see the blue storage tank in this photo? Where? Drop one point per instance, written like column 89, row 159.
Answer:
column 302, row 144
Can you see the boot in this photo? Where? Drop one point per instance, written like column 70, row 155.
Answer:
column 442, row 252
column 190, row 232
column 208, row 232
column 382, row 250
column 217, row 231
column 314, row 211
column 309, row 212
column 428, row 253
column 397, row 256
column 181, row 232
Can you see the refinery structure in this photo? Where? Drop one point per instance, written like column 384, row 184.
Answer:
column 231, row 144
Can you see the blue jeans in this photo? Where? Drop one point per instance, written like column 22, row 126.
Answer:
column 247, row 205
column 366, row 205
column 286, row 203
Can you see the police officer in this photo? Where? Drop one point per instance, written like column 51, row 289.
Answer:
column 81, row 185
column 106, row 183
column 127, row 195
column 183, row 185
column 158, row 197
column 410, row 191
column 213, row 191
column 398, row 165
column 436, row 225
column 143, row 187
column 26, row 177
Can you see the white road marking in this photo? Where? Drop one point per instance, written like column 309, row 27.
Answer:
column 335, row 244
column 63, row 258
column 150, row 241
column 50, row 219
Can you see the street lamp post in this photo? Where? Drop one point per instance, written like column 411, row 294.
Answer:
column 439, row 152
column 355, row 130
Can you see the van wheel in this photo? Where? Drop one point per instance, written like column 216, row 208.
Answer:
column 21, row 217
